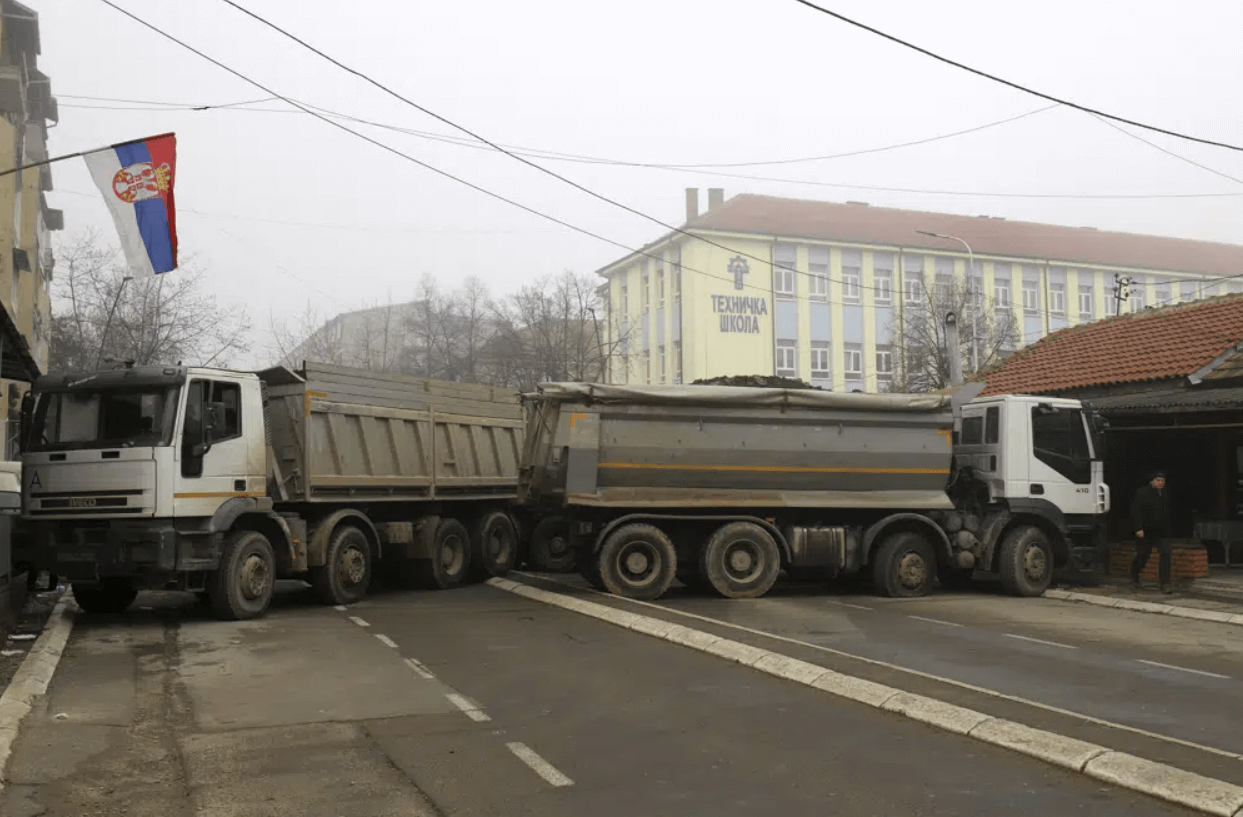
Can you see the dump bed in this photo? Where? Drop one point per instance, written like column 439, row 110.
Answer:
column 338, row 433
column 720, row 446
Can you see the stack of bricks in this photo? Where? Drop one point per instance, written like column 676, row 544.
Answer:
column 1190, row 561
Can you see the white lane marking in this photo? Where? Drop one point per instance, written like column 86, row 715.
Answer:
column 419, row 669
column 1122, row 727
column 473, row 712
column 1182, row 669
column 540, row 766
column 340, row 608
column 935, row 621
column 855, row 606
column 359, row 621
column 386, row 641
column 1040, row 641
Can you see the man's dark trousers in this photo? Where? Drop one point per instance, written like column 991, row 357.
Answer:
column 1143, row 549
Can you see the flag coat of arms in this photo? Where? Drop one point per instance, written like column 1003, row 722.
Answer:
column 136, row 179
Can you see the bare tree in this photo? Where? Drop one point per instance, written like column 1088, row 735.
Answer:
column 99, row 315
column 923, row 362
column 306, row 337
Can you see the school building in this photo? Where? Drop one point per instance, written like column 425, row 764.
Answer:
column 817, row 290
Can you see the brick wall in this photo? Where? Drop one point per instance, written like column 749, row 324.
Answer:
column 1190, row 562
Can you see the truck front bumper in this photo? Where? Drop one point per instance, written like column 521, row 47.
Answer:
column 114, row 548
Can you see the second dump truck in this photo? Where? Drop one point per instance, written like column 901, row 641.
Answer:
column 723, row 487
column 221, row 481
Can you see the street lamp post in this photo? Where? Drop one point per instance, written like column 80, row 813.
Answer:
column 975, row 367
column 107, row 324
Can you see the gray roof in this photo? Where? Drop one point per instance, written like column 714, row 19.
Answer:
column 1171, row 400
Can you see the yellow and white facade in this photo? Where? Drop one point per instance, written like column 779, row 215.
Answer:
column 830, row 311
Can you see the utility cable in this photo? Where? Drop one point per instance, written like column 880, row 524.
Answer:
column 843, row 18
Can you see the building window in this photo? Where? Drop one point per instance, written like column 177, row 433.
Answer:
column 783, row 282
column 660, row 351
column 850, row 284
column 1138, row 294
column 1235, row 286
column 945, row 290
column 820, row 361
column 914, row 290
column 854, row 364
column 818, row 273
column 1164, row 292
column 625, row 299
column 785, row 262
column 1189, row 290
column 1001, row 294
column 882, row 284
column 787, row 359
column 647, row 365
column 1085, row 303
column 1057, row 298
column 884, row 363
column 625, row 378
column 676, row 256
column 1031, row 296
column 645, row 298
column 660, row 287
column 677, row 362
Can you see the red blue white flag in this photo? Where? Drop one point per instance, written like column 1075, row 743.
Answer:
column 136, row 179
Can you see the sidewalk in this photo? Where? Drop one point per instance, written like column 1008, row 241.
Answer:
column 1218, row 598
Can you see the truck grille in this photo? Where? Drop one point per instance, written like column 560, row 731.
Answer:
column 85, row 503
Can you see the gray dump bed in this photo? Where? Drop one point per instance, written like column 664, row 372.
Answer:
column 721, row 446
column 348, row 434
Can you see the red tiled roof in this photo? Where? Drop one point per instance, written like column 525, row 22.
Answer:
column 992, row 236
column 1157, row 344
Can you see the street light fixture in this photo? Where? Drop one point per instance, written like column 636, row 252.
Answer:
column 975, row 366
column 107, row 324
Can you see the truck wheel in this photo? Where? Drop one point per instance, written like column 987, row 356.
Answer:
column 1026, row 564
column 450, row 562
column 243, row 585
column 111, row 597
column 904, row 566
column 551, row 550
column 346, row 573
column 495, row 543
column 740, row 560
column 638, row 561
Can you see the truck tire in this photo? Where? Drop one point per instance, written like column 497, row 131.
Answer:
column 740, row 560
column 450, row 562
column 1026, row 561
column 551, row 550
column 110, row 597
column 904, row 566
column 346, row 572
column 637, row 561
column 242, row 587
column 495, row 543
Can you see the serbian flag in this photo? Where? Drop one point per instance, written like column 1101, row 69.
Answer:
column 136, row 179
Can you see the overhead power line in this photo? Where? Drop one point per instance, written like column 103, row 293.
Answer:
column 843, row 18
column 549, row 155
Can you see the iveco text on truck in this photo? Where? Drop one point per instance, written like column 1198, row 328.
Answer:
column 724, row 487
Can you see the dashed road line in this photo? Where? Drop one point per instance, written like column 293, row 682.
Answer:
column 419, row 670
column 340, row 608
column 385, row 640
column 852, row 606
column 935, row 621
column 1182, row 669
column 1040, row 641
column 359, row 621
column 538, row 765
column 468, row 708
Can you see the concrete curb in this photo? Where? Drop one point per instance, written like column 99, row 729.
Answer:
column 1099, row 762
column 1147, row 607
column 32, row 677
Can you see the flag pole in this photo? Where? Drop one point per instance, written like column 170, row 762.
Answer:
column 80, row 153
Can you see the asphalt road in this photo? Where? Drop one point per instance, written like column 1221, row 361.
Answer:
column 479, row 702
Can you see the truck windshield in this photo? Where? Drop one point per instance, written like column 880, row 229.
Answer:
column 108, row 418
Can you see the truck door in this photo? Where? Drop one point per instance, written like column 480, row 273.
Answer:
column 1061, row 465
column 212, row 449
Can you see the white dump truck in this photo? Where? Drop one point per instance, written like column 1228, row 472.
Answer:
column 725, row 487
column 222, row 481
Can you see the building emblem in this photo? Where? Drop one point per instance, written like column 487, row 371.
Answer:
column 142, row 181
column 738, row 268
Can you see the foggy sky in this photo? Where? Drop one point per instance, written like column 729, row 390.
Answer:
column 287, row 212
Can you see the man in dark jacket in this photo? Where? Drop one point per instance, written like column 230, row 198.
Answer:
column 1150, row 519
